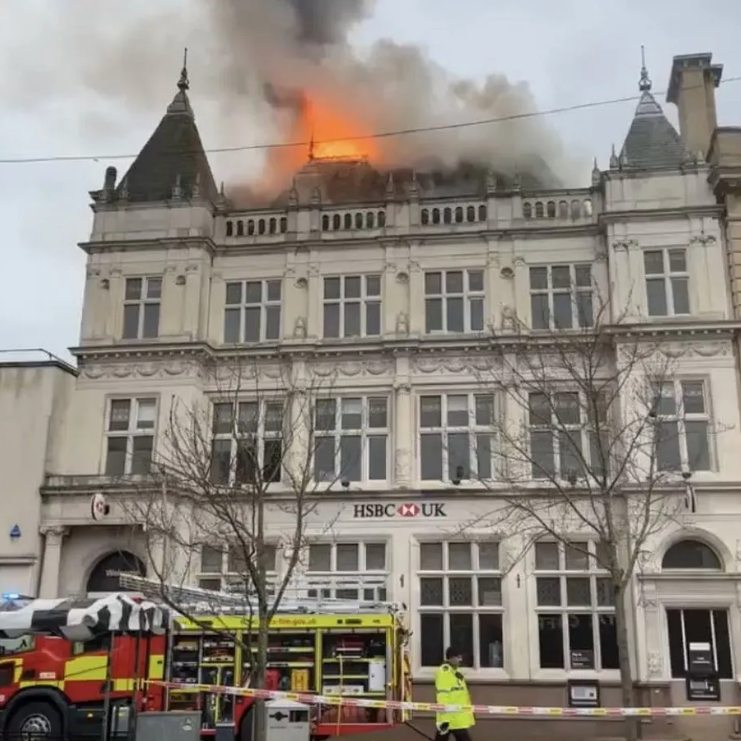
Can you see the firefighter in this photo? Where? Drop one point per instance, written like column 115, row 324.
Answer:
column 451, row 689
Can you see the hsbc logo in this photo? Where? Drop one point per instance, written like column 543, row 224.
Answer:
column 408, row 509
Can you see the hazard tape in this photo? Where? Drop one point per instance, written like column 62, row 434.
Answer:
column 357, row 702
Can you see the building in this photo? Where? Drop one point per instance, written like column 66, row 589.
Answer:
column 393, row 285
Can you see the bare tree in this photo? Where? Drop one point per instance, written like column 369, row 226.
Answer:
column 587, row 441
column 224, row 466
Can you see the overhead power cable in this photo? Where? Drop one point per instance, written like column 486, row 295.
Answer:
column 368, row 137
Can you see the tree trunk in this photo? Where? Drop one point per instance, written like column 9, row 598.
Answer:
column 260, row 715
column 626, row 675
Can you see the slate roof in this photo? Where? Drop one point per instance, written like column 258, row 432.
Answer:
column 173, row 155
column 652, row 142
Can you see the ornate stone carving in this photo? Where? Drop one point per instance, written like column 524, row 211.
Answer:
column 299, row 328
column 401, row 466
column 509, row 320
column 54, row 532
column 167, row 369
column 451, row 364
column 654, row 664
column 627, row 244
column 402, row 323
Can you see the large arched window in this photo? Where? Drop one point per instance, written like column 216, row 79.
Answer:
column 691, row 554
column 100, row 580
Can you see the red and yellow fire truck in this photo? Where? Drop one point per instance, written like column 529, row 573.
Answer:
column 51, row 686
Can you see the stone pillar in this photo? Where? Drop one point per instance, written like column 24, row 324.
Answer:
column 53, row 537
column 404, row 437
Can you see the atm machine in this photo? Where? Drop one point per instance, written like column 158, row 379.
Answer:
column 702, row 675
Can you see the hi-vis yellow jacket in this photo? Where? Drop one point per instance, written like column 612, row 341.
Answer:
column 451, row 689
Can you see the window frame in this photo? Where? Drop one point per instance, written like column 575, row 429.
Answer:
column 261, row 435
column 475, row 573
column 467, row 296
column 364, row 300
column 265, row 307
column 365, row 432
column 206, row 579
column 668, row 275
column 130, row 434
column 574, row 291
column 594, row 572
column 472, row 429
column 141, row 304
column 680, row 417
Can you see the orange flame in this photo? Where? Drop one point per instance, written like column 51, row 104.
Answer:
column 334, row 134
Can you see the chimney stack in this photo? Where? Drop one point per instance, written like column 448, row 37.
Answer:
column 692, row 89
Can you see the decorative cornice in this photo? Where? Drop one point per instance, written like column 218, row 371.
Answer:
column 656, row 214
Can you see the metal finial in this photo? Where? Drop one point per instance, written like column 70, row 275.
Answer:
column 644, row 84
column 183, row 82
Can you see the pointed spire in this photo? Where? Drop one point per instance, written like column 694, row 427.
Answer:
column 123, row 191
column 180, row 103
column 177, row 188
column 644, row 84
column 183, row 82
column 196, row 189
column 293, row 195
column 414, row 186
column 390, row 187
column 491, row 181
column 596, row 173
column 614, row 164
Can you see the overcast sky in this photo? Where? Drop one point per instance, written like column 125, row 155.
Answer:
column 570, row 52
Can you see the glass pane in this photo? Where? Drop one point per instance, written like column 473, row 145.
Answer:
column 561, row 276
column 131, row 321
column 666, row 403
column 375, row 556
column 484, row 455
column 454, row 314
column 608, row 642
column 237, row 559
column 433, row 283
column 454, row 281
column 490, row 591
column 461, row 635
column 548, row 591
column 668, row 457
column 550, row 641
column 325, row 414
column 491, row 642
column 211, row 560
column 272, row 467
column 433, row 315
column 539, row 409
column 320, row 557
column 234, row 293
column 458, row 411
column 488, row 556
column 377, row 412
column 475, row 280
column 231, row 325
column 274, row 290
column 133, row 289
column 115, row 462
column 677, row 261
column 571, row 456
column 431, row 639
column 373, row 285
column 477, row 314
column 484, row 405
column 154, row 288
column 331, row 288
column 324, row 459
column 373, row 318
column 653, row 262
column 542, row 455
column 578, row 592
column 352, row 287
column 693, row 397
column 348, row 557
column 460, row 591
column 272, row 323
column 221, row 461
column 538, row 279
column 459, row 557
column 222, row 422
column 567, row 408
column 459, row 456
column 656, row 294
column 539, row 309
column 351, row 461
column 562, row 311
column 584, row 309
column 583, row 276
column 151, row 324
column 431, row 454
column 273, row 416
column 605, row 593
column 352, row 320
column 331, row 320
column 377, row 458
column 253, row 292
column 681, row 295
column 120, row 410
column 248, row 416
column 252, row 324
column 146, row 414
column 581, row 642
column 698, row 447
column 576, row 556
column 546, row 556
column 352, row 414
column 430, row 413
column 431, row 557
column 430, row 592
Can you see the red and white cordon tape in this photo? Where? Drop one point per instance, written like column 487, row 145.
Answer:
column 503, row 710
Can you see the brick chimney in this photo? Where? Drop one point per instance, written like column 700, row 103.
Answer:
column 692, row 88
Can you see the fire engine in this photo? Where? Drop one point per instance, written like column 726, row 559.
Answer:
column 52, row 685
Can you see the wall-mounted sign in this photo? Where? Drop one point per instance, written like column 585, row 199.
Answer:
column 408, row 509
column 582, row 659
column 583, row 693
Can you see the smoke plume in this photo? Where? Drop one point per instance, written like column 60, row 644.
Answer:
column 285, row 70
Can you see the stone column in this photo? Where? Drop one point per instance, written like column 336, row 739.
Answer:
column 404, row 437
column 53, row 537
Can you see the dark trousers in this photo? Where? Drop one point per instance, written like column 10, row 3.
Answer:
column 457, row 734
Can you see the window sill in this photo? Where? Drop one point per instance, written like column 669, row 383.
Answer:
column 563, row 675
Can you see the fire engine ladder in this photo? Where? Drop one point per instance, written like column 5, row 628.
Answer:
column 300, row 597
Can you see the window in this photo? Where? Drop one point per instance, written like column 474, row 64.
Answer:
column 561, row 297
column 351, row 439
column 562, row 438
column 460, row 603
column 691, row 554
column 252, row 311
column 130, row 437
column 142, row 308
column 699, row 626
column 667, row 282
column 575, row 608
column 248, row 443
column 682, row 426
column 19, row 645
column 456, row 439
column 454, row 301
column 354, row 571
column 352, row 306
column 225, row 570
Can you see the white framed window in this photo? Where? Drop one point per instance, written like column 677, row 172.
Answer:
column 699, row 625
column 460, row 603
column 352, row 306
column 352, row 571
column 141, row 317
column 667, row 282
column 682, row 422
column 456, row 437
column 252, row 312
column 224, row 569
column 454, row 301
column 248, row 442
column 575, row 608
column 130, row 436
column 561, row 296
column 564, row 441
column 351, row 439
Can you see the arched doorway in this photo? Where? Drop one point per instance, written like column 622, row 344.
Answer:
column 101, row 580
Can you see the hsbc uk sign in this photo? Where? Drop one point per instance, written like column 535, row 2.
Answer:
column 408, row 509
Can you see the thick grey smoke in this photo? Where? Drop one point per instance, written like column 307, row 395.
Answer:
column 255, row 62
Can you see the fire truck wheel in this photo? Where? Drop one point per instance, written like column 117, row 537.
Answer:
column 37, row 720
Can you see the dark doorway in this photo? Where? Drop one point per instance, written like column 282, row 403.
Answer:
column 101, row 580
